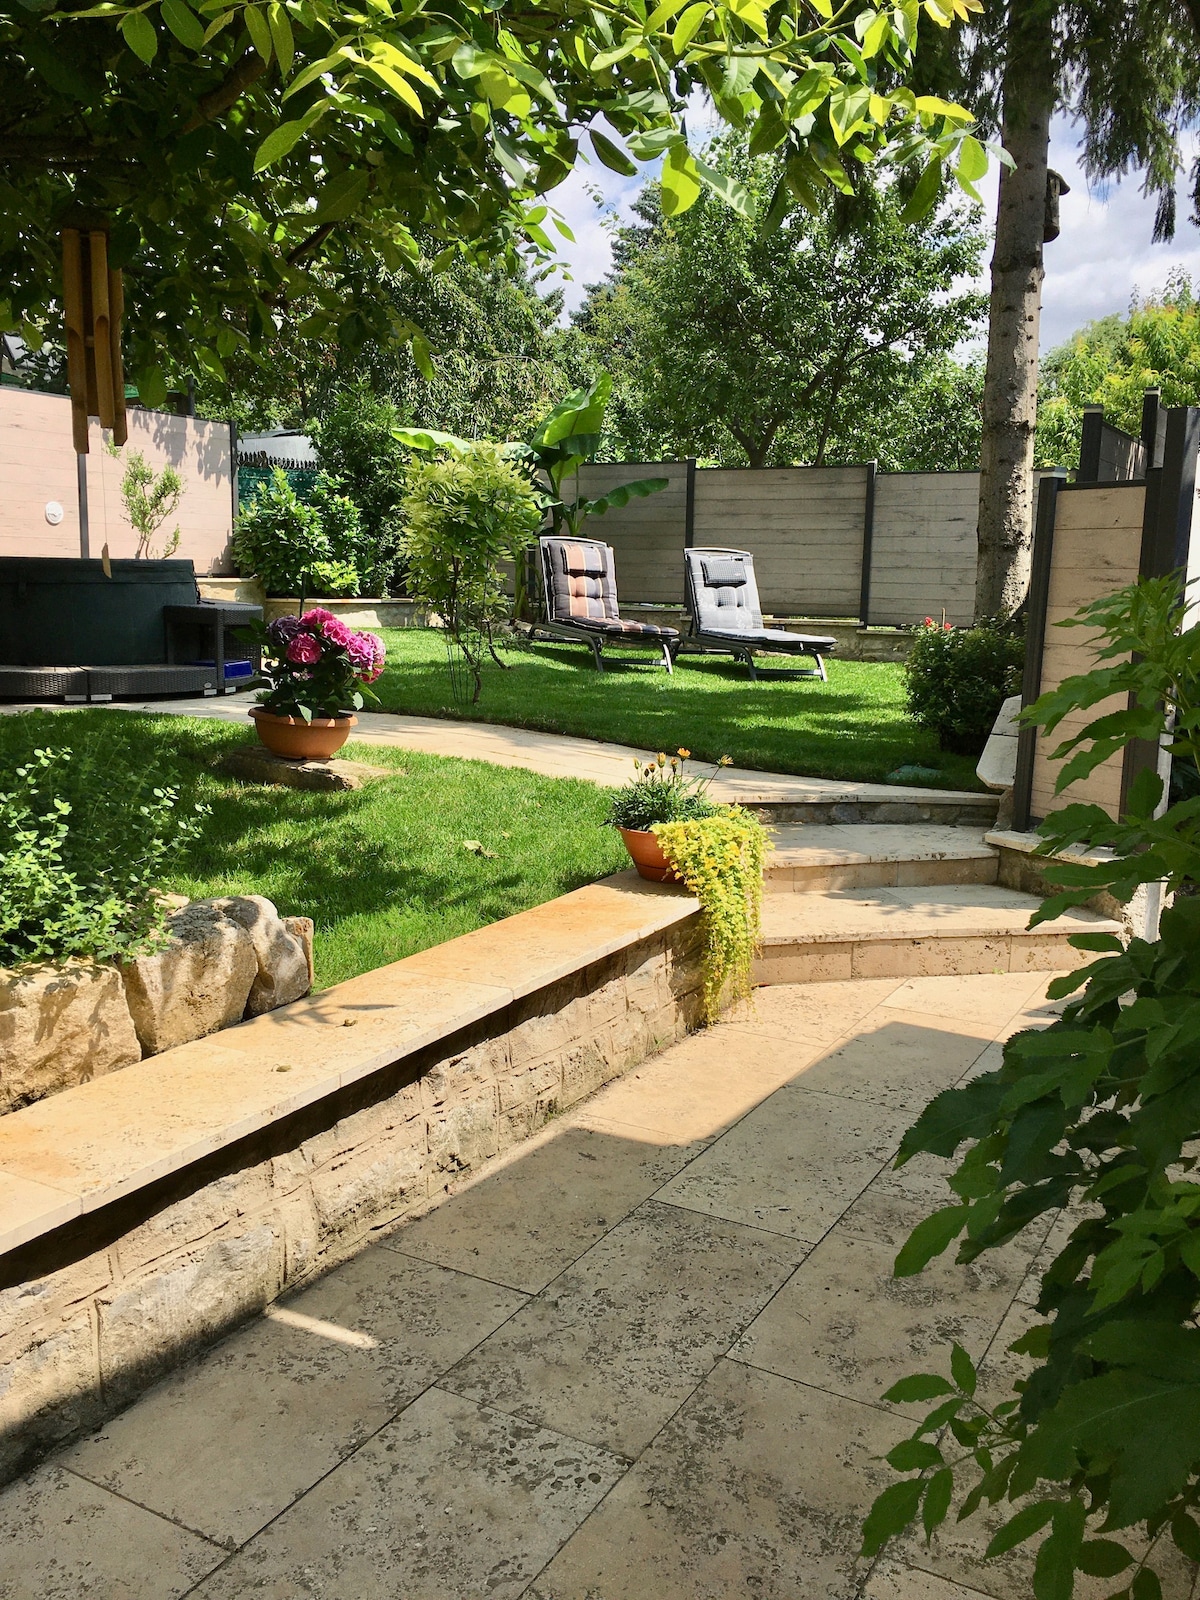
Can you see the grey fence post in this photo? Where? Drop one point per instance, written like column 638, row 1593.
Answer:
column 864, row 595
column 1035, row 638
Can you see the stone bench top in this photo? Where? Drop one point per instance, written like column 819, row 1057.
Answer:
column 88, row 1146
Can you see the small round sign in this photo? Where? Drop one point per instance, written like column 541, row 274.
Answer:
column 54, row 513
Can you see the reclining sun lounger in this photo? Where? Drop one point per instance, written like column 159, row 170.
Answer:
column 579, row 594
column 722, row 598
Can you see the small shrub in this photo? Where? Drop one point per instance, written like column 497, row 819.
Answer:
column 358, row 450
column 465, row 517
column 956, row 680
column 317, row 548
column 150, row 499
column 660, row 791
column 83, row 849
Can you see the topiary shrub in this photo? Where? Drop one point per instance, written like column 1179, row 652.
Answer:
column 956, row 680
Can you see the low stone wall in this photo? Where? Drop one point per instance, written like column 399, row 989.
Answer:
column 94, row 1310
column 1019, row 868
column 366, row 613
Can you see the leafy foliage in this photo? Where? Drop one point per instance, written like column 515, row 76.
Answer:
column 956, row 679
column 743, row 343
column 357, row 449
column 720, row 859
column 83, row 851
column 313, row 548
column 1095, row 1118
column 662, row 791
column 1113, row 362
column 150, row 499
column 464, row 517
column 236, row 146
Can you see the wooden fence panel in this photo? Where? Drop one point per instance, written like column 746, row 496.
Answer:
column 37, row 465
column 924, row 547
column 647, row 536
column 803, row 526
column 1096, row 550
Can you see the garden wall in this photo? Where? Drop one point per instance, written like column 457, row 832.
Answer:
column 882, row 548
column 38, row 465
column 145, row 1214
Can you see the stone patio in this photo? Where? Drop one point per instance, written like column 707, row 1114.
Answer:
column 639, row 1358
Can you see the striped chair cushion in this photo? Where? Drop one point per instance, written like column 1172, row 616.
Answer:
column 582, row 580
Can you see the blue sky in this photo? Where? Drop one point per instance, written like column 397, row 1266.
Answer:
column 1103, row 254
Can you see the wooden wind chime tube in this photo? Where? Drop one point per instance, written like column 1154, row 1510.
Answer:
column 93, row 303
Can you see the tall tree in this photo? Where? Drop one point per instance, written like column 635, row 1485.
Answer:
column 1129, row 72
column 234, row 144
column 795, row 344
column 1113, row 362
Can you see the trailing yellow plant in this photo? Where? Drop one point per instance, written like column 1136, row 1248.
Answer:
column 720, row 859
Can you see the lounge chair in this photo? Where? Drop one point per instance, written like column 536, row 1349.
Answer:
column 579, row 593
column 722, row 598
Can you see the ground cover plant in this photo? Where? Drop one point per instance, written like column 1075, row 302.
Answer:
column 439, row 848
column 853, row 727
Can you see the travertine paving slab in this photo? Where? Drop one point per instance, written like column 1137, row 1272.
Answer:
column 985, row 999
column 524, row 1222
column 447, row 1502
column 693, row 1092
column 892, row 1580
column 614, row 1345
column 757, row 1488
column 227, row 1443
column 817, row 1011
column 63, row 1539
column 794, row 1164
column 844, row 1323
column 898, row 1059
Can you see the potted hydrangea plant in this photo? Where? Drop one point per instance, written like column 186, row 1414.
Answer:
column 317, row 670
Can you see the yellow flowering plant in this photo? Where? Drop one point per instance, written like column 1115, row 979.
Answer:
column 720, row 859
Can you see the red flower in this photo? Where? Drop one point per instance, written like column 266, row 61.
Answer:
column 928, row 622
column 304, row 650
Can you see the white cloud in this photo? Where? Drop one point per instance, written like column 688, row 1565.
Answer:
column 1102, row 255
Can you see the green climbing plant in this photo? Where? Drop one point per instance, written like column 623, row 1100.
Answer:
column 720, row 859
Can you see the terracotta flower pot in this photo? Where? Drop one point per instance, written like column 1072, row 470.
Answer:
column 646, row 854
column 299, row 740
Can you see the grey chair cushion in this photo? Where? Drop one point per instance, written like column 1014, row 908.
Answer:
column 722, row 571
column 769, row 639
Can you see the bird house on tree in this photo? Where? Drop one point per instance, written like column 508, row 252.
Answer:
column 93, row 302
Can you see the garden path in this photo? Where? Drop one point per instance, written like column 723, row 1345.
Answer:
column 643, row 1355
column 557, row 755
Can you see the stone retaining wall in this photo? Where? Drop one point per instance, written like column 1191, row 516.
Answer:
column 96, row 1309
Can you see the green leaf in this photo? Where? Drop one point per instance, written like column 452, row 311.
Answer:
column 891, row 1514
column 1146, row 1586
column 1054, row 1571
column 341, row 196
column 920, row 1386
column 611, row 155
column 422, row 356
column 937, row 1500
column 1186, row 1535
column 680, row 180
column 1028, row 1521
column 687, row 26
column 152, row 388
column 924, row 196
column 962, row 1369
column 914, row 1455
column 1103, row 1558
column 929, row 1239
column 277, row 144
column 138, row 33
column 183, row 23
column 972, row 160
column 727, row 188
column 281, row 35
column 259, row 30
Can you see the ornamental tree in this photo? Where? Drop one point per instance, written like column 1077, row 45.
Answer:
column 233, row 147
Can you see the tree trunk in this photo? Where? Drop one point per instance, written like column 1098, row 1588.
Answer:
column 1010, row 386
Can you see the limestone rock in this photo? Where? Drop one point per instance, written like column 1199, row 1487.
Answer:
column 302, row 928
column 59, row 1026
column 253, row 764
column 200, row 982
column 284, row 962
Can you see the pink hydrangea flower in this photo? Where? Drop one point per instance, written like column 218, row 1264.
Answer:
column 317, row 619
column 304, row 650
column 336, row 631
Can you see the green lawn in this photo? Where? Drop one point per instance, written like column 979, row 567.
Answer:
column 854, row 726
column 383, row 872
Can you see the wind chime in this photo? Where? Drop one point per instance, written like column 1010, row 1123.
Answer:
column 93, row 302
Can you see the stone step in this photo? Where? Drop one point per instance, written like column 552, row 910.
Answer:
column 876, row 856
column 918, row 931
column 860, row 803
